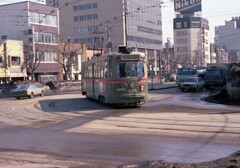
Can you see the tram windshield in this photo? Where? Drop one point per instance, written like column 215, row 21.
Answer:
column 130, row 69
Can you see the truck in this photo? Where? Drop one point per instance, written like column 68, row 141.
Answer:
column 215, row 75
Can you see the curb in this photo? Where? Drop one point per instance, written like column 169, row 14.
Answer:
column 167, row 87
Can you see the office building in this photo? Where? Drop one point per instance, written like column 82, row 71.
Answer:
column 227, row 38
column 106, row 24
column 191, row 43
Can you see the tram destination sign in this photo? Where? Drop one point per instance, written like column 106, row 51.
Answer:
column 187, row 6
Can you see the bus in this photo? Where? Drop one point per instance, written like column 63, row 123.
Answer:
column 185, row 72
column 116, row 78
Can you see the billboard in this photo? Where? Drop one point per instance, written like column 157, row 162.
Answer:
column 187, row 6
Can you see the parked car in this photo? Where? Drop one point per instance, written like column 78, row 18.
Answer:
column 192, row 83
column 29, row 90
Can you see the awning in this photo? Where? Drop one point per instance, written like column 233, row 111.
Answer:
column 4, row 72
column 19, row 74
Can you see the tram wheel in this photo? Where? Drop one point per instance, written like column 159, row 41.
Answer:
column 101, row 99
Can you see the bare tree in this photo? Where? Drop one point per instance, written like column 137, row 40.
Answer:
column 68, row 53
column 32, row 58
column 3, row 55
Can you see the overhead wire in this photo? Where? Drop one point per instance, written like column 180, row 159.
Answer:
column 115, row 18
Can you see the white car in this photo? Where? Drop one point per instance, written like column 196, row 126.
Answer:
column 29, row 90
column 192, row 83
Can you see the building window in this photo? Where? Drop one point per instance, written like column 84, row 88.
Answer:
column 85, row 17
column 181, row 41
column 195, row 24
column 178, row 25
column 182, row 49
column 75, row 8
column 94, row 5
column 144, row 40
column 4, row 37
column 43, row 19
column 48, row 38
column 149, row 30
column 47, row 56
column 75, row 18
column 84, row 40
column 95, row 16
column 88, row 6
column 15, row 60
column 185, row 24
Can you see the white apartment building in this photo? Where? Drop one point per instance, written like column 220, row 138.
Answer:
column 191, row 44
column 106, row 24
column 37, row 26
column 227, row 38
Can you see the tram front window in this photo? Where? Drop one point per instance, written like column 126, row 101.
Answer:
column 130, row 69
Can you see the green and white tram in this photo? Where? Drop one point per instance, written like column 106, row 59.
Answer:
column 116, row 78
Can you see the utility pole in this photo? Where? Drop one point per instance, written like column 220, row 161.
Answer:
column 125, row 21
column 34, row 52
column 160, row 75
column 109, row 45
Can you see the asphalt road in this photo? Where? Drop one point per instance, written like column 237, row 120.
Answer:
column 71, row 131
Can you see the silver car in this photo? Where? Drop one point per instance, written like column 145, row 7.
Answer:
column 192, row 83
column 29, row 90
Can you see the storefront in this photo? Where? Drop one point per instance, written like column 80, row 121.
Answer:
column 4, row 75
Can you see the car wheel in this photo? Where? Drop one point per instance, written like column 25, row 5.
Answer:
column 18, row 98
column 42, row 94
column 182, row 90
column 31, row 95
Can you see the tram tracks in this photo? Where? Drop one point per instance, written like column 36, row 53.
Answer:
column 133, row 121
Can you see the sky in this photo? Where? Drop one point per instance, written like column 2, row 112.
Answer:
column 215, row 11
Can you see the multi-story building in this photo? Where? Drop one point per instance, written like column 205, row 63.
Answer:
column 227, row 38
column 191, row 45
column 37, row 26
column 11, row 61
column 106, row 24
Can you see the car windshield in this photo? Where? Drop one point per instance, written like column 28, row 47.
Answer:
column 130, row 69
column 24, row 87
column 191, row 80
column 186, row 71
column 213, row 72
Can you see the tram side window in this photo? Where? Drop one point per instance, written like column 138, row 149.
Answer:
column 102, row 70
column 121, row 70
column 106, row 70
column 96, row 70
column 90, row 71
column 86, row 71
